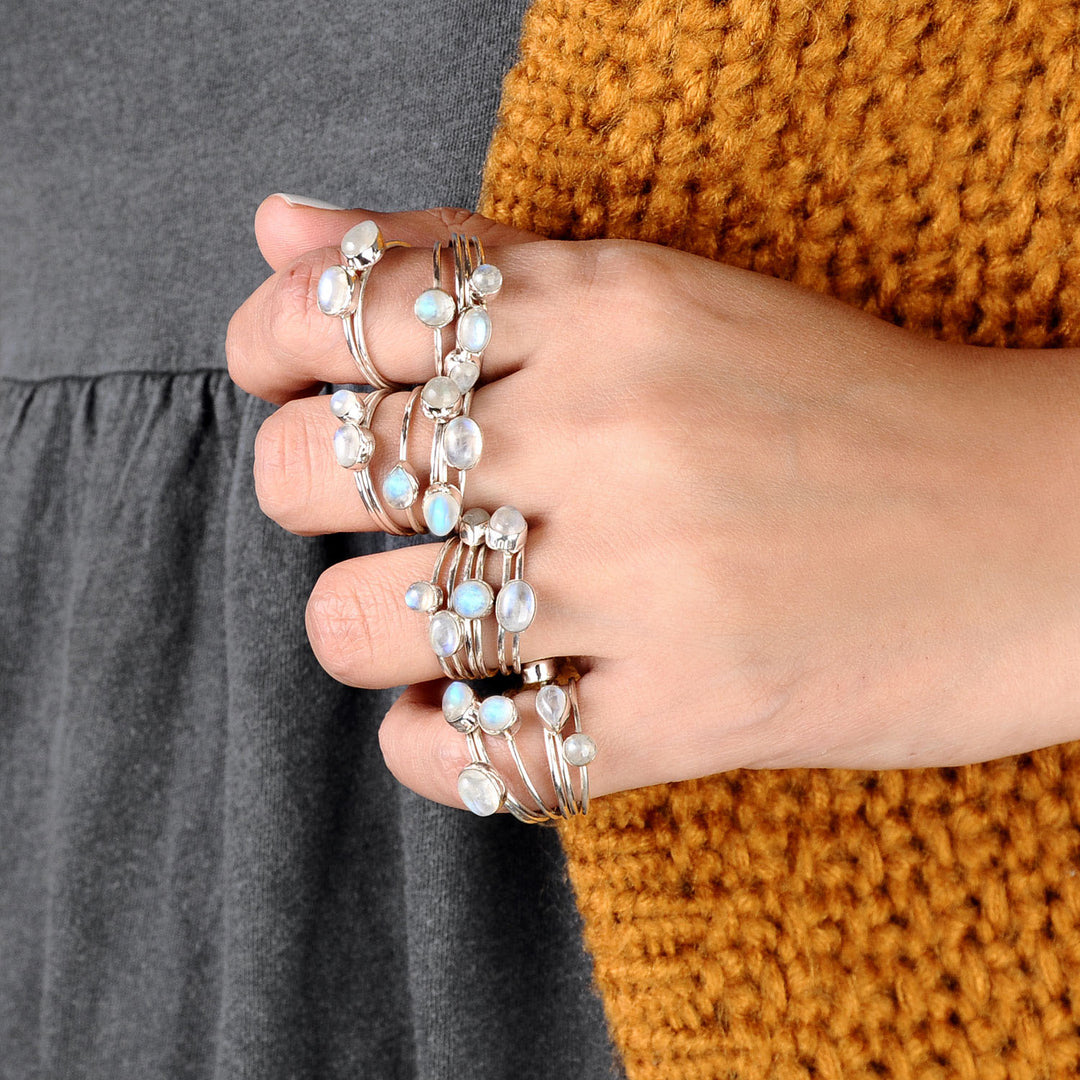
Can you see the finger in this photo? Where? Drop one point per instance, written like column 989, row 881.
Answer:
column 363, row 634
column 285, row 230
column 279, row 345
column 301, row 486
column 426, row 754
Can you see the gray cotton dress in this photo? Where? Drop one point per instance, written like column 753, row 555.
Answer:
column 205, row 869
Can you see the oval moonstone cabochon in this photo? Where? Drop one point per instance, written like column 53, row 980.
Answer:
column 480, row 789
column 474, row 330
column 515, row 606
column 463, row 443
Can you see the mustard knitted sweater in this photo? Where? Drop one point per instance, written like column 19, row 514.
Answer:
column 919, row 160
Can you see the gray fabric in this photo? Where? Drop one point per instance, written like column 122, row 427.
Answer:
column 205, row 869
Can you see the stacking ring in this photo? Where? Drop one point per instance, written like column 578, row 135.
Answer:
column 341, row 293
column 481, row 786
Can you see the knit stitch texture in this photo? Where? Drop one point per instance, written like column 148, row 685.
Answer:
column 920, row 161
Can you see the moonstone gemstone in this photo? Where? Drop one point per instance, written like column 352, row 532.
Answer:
column 464, row 374
column 334, row 293
column 434, row 308
column 473, row 526
column 480, row 790
column 458, row 699
column 442, row 508
column 423, row 596
column 579, row 749
column 498, row 714
column 486, row 279
column 353, row 446
column 473, row 599
column 552, row 706
column 445, row 633
column 346, row 405
column 364, row 243
column 440, row 397
column 515, row 607
column 463, row 442
column 507, row 529
column 474, row 330
column 400, row 487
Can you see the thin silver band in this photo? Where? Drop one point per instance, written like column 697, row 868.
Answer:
column 354, row 331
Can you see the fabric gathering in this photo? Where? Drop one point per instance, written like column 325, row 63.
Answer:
column 207, row 870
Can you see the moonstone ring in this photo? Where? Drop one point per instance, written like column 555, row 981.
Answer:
column 340, row 293
column 482, row 788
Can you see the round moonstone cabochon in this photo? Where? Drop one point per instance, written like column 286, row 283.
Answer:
column 334, row 291
column 440, row 396
column 363, row 242
column 506, row 529
column 486, row 279
column 515, row 607
column 474, row 330
column 480, row 790
column 434, row 308
column 497, row 714
column 423, row 596
column 463, row 442
column 579, row 749
column 346, row 405
column 473, row 599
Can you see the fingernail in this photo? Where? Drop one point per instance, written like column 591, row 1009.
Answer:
column 303, row 200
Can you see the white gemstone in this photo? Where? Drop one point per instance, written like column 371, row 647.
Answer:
column 442, row 508
column 464, row 373
column 440, row 399
column 334, row 293
column 579, row 749
column 474, row 330
column 552, row 706
column 498, row 714
column 423, row 596
column 400, row 487
column 463, row 443
column 353, row 446
column 364, row 243
column 473, row 526
column 457, row 701
column 445, row 633
column 507, row 529
column 473, row 599
column 516, row 606
column 346, row 405
column 486, row 279
column 480, row 789
column 434, row 308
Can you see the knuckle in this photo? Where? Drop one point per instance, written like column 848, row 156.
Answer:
column 350, row 625
column 455, row 218
column 283, row 467
column 291, row 306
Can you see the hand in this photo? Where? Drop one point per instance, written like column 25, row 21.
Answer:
column 777, row 531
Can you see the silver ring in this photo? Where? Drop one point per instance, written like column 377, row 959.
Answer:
column 364, row 485
column 482, row 788
column 341, row 293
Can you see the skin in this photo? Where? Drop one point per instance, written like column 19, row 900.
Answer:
column 774, row 531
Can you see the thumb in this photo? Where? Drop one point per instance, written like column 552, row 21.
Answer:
column 286, row 229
